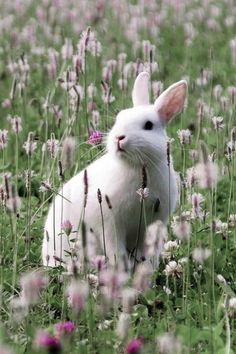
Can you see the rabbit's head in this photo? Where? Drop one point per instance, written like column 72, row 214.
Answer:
column 138, row 134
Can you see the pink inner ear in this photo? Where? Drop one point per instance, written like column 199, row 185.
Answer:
column 173, row 102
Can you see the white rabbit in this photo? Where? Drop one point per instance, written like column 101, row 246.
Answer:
column 137, row 139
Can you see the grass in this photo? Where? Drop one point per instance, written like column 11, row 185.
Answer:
column 199, row 310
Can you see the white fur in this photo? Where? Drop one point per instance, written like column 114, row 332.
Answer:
column 118, row 175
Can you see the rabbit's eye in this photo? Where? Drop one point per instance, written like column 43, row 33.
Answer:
column 148, row 125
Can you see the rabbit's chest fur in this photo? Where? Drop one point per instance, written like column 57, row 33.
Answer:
column 120, row 183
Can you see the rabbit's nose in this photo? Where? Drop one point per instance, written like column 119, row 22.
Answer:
column 120, row 142
column 120, row 137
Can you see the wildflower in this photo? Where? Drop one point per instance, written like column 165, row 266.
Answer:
column 122, row 327
column 122, row 84
column 232, row 220
column 19, row 307
column 197, row 199
column 91, row 106
column 6, row 103
column 134, row 346
column 143, row 193
column 15, row 124
column 45, row 340
column 45, row 186
column 68, row 80
column 217, row 91
column 155, row 238
column 221, row 279
column 206, row 174
column 95, row 138
column 201, row 254
column 220, row 227
column 232, row 304
column 5, row 350
column 142, row 277
column 93, row 281
column 168, row 343
column 185, row 136
column 28, row 174
column 105, row 324
column 95, row 118
column 99, row 263
column 67, row 227
column 13, row 203
column 3, row 138
column 32, row 284
column 233, row 50
column 218, row 122
column 128, row 298
column 68, row 151
column 77, row 293
column 173, row 268
column 111, row 282
column 191, row 176
column 167, row 290
column 57, row 113
column 53, row 146
column 225, row 104
column 66, row 327
column 121, row 61
column 157, row 88
column 170, row 247
column 205, row 77
column 232, row 93
column 67, row 49
column 89, row 42
column 51, row 67
column 30, row 145
column 106, row 95
column 181, row 229
column 92, row 91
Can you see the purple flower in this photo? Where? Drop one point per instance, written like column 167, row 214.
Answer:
column 45, row 340
column 67, row 227
column 134, row 346
column 95, row 137
column 64, row 328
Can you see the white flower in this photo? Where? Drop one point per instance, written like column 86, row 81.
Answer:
column 201, row 254
column 232, row 303
column 185, row 136
column 77, row 293
column 218, row 122
column 197, row 199
column 122, row 327
column 167, row 290
column 142, row 276
column 173, row 268
column 220, row 227
column 168, row 343
column 181, row 229
column 128, row 299
column 206, row 174
column 155, row 238
column 221, row 279
column 232, row 220
column 170, row 248
column 191, row 176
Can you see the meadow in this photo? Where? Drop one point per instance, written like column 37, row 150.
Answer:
column 67, row 67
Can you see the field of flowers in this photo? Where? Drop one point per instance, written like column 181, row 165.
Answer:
column 67, row 67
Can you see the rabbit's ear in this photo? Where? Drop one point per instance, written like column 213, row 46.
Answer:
column 171, row 101
column 140, row 94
